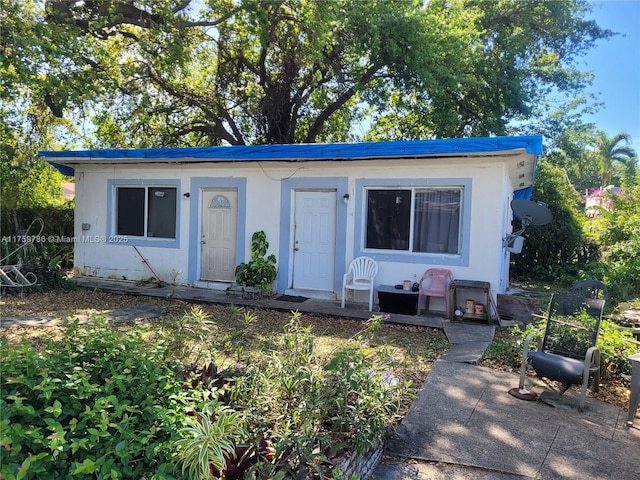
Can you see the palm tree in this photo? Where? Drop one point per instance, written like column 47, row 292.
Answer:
column 613, row 151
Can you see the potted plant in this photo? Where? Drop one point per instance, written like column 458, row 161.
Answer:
column 260, row 271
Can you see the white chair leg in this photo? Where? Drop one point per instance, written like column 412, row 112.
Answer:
column 371, row 299
column 344, row 293
column 590, row 359
column 596, row 370
column 583, row 390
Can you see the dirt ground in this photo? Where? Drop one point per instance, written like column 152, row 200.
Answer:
column 413, row 350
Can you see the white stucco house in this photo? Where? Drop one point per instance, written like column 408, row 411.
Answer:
column 410, row 205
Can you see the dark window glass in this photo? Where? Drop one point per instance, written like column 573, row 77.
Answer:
column 388, row 219
column 130, row 211
column 162, row 213
column 155, row 204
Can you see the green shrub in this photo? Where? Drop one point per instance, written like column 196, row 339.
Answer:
column 106, row 402
column 210, row 440
column 506, row 347
column 312, row 409
column 550, row 250
column 33, row 237
column 615, row 346
column 101, row 402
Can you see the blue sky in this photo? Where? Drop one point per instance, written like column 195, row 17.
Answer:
column 616, row 66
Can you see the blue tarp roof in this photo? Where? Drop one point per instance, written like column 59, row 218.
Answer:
column 312, row 151
column 62, row 160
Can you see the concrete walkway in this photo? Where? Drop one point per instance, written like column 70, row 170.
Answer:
column 463, row 423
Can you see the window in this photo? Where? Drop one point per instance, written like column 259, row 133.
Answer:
column 425, row 220
column 146, row 211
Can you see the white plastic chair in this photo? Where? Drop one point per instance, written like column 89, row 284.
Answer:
column 360, row 275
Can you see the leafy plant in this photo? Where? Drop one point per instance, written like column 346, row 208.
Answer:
column 210, row 441
column 102, row 401
column 616, row 344
column 190, row 336
column 112, row 402
column 260, row 271
column 315, row 408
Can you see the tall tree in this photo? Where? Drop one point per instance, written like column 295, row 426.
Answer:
column 615, row 157
column 183, row 72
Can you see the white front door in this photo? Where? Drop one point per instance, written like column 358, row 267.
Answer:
column 219, row 222
column 314, row 245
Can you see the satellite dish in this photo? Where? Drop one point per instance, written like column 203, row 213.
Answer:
column 529, row 213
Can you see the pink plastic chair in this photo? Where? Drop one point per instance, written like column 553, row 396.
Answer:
column 441, row 278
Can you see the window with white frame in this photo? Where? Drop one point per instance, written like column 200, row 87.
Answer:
column 146, row 211
column 414, row 219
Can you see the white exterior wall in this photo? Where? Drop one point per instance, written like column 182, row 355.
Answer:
column 489, row 196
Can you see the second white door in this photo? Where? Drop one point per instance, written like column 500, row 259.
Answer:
column 314, row 246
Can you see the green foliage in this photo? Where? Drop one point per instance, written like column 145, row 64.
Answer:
column 572, row 246
column 25, row 180
column 210, row 439
column 30, row 184
column 288, row 71
column 189, row 335
column 506, row 347
column 616, row 345
column 617, row 233
column 39, row 239
column 569, row 144
column 259, row 271
column 617, row 160
column 552, row 250
column 100, row 402
column 312, row 408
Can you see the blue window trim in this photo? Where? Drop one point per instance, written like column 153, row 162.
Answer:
column 112, row 184
column 413, row 257
column 195, row 219
column 288, row 186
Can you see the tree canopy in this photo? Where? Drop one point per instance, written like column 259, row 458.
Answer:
column 210, row 72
